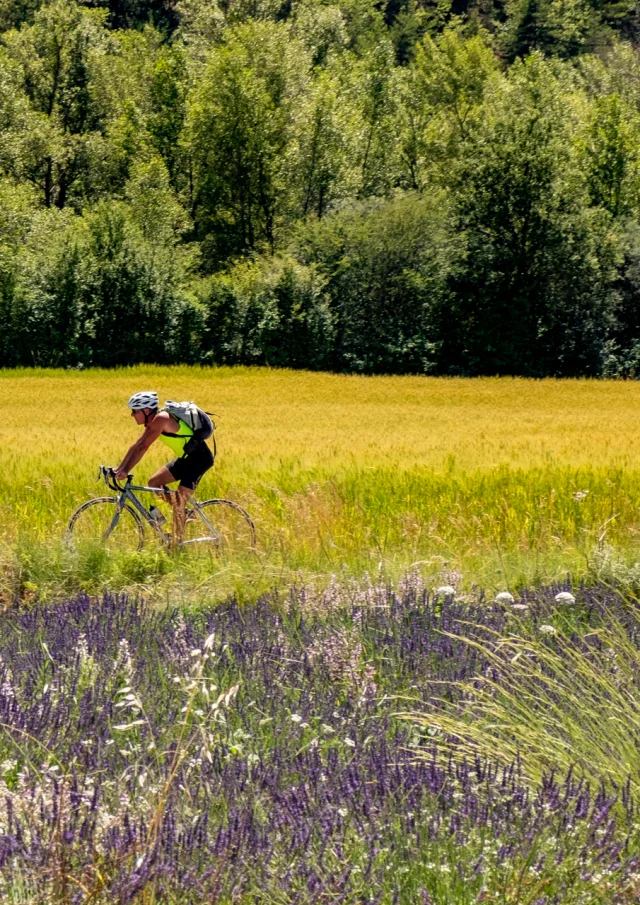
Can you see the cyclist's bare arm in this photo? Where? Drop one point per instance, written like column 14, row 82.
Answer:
column 162, row 421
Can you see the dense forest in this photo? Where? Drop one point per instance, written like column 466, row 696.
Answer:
column 426, row 186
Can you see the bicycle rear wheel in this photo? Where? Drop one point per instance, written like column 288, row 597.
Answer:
column 224, row 527
column 100, row 523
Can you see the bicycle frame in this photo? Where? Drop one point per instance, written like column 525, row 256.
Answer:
column 127, row 495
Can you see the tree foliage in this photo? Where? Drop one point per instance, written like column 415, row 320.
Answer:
column 401, row 188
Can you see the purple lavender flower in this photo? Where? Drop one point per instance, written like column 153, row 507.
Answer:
column 260, row 804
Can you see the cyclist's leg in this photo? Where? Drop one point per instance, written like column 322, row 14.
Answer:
column 179, row 515
column 161, row 478
column 191, row 469
column 188, row 470
column 176, row 470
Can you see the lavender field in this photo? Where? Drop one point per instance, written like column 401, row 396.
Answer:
column 290, row 752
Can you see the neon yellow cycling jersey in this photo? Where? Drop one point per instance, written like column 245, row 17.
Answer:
column 176, row 442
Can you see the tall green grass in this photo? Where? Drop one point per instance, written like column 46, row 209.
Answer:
column 504, row 528
column 507, row 482
column 556, row 697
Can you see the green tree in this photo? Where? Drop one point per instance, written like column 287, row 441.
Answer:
column 273, row 311
column 453, row 72
column 18, row 208
column 13, row 13
column 168, row 103
column 129, row 14
column 94, row 290
column 386, row 266
column 531, row 292
column 611, row 155
column 364, row 23
column 324, row 151
column 555, row 27
column 133, row 296
column 376, row 84
column 61, row 142
column 322, row 29
column 241, row 133
column 140, row 86
column 442, row 94
column 153, row 203
column 44, row 304
column 622, row 349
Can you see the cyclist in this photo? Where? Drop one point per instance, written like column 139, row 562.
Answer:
column 186, row 468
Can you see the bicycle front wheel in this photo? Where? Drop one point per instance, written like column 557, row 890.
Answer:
column 101, row 523
column 220, row 526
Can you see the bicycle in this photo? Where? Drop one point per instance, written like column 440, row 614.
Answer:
column 117, row 522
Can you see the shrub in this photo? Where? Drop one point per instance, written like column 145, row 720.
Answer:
column 93, row 290
column 272, row 311
column 386, row 265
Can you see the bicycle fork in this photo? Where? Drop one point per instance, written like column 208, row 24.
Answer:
column 115, row 519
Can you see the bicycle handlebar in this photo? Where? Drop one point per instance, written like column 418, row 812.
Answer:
column 107, row 473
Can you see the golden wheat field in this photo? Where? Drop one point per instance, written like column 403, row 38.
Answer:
column 501, row 481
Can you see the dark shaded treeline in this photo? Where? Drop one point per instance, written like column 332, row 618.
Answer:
column 409, row 188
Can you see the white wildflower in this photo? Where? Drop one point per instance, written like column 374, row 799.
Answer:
column 565, row 597
column 547, row 629
column 505, row 597
column 82, row 647
column 350, row 742
column 124, row 660
column 520, row 608
column 446, row 591
column 296, row 718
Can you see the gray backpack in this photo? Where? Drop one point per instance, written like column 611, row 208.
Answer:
column 198, row 420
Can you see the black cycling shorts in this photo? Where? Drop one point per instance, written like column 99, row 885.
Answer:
column 189, row 469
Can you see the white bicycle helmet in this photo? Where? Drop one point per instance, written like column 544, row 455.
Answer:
column 146, row 399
